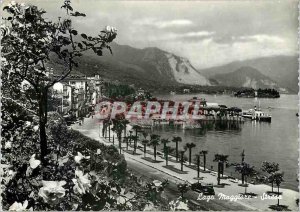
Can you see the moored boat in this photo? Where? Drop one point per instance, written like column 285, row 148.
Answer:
column 258, row 115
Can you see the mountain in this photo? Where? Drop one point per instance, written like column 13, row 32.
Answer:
column 246, row 77
column 281, row 69
column 148, row 67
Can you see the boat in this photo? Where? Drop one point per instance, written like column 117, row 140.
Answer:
column 257, row 114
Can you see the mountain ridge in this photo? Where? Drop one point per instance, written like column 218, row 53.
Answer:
column 282, row 69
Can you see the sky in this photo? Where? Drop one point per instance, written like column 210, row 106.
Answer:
column 208, row 33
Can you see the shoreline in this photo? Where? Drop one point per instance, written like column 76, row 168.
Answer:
column 90, row 129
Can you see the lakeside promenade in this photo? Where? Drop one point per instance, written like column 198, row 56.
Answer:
column 91, row 128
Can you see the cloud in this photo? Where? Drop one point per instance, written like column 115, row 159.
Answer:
column 164, row 24
column 261, row 38
column 199, row 35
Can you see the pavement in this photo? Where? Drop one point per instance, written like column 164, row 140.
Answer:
column 224, row 198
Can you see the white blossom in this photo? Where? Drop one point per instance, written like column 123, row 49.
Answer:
column 79, row 157
column 149, row 207
column 19, row 206
column 82, row 183
column 35, row 128
column 178, row 205
column 33, row 162
column 7, row 145
column 98, row 151
column 52, row 191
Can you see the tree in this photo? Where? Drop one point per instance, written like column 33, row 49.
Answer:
column 246, row 171
column 145, row 142
column 270, row 168
column 137, row 129
column 204, row 153
column 189, row 146
column 27, row 58
column 177, row 139
column 278, row 179
column 198, row 165
column 167, row 151
column 118, row 127
column 164, row 142
column 221, row 159
column 181, row 158
column 154, row 141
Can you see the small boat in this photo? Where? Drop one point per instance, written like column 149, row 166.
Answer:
column 258, row 115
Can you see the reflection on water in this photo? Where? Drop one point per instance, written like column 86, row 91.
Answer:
column 276, row 141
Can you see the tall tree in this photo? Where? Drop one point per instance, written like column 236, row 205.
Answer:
column 270, row 168
column 145, row 142
column 278, row 179
column 165, row 142
column 137, row 129
column 177, row 139
column 181, row 151
column 34, row 42
column 204, row 153
column 221, row 159
column 190, row 146
column 154, row 141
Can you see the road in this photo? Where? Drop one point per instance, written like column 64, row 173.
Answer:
column 171, row 191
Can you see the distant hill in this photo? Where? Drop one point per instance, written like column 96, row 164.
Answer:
column 149, row 67
column 246, row 77
column 281, row 69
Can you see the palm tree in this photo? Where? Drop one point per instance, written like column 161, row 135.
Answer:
column 181, row 158
column 204, row 153
column 154, row 141
column 164, row 141
column 167, row 151
column 198, row 165
column 221, row 159
column 126, row 140
column 278, row 179
column 190, row 146
column 145, row 142
column 125, row 122
column 130, row 136
column 118, row 127
column 177, row 139
column 270, row 168
column 108, row 126
column 137, row 128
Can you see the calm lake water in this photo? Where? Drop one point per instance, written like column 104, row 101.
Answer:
column 276, row 141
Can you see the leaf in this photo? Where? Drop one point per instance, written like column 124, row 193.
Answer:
column 74, row 32
column 99, row 53
column 69, row 7
column 78, row 14
column 84, row 36
column 6, row 8
column 80, row 45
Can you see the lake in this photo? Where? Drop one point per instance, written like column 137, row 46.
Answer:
column 275, row 142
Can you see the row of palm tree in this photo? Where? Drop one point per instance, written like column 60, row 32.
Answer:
column 274, row 176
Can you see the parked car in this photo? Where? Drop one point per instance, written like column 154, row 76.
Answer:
column 207, row 189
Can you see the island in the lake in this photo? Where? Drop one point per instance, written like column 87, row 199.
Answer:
column 260, row 93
